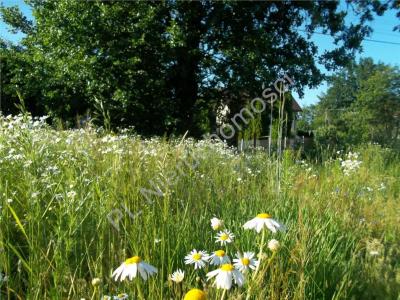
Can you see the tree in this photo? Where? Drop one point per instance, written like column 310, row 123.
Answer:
column 377, row 108
column 361, row 105
column 162, row 66
column 306, row 118
column 87, row 55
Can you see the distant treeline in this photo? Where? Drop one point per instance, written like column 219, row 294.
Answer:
column 362, row 105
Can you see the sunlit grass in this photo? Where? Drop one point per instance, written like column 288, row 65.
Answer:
column 60, row 190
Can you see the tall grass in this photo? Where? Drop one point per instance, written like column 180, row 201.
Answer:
column 58, row 188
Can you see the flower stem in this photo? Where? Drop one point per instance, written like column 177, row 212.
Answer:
column 270, row 260
column 248, row 293
column 94, row 294
column 223, row 295
column 139, row 291
column 180, row 290
column 268, row 264
column 260, row 253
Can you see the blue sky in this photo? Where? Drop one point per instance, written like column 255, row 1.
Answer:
column 382, row 26
column 386, row 53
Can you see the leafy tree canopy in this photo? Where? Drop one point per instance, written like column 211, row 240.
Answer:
column 361, row 105
column 162, row 66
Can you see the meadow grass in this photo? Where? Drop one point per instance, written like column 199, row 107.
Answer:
column 73, row 208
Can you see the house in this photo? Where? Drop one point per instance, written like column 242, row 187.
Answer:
column 256, row 128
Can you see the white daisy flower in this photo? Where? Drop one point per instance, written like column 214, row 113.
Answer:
column 374, row 253
column 122, row 296
column 224, row 237
column 263, row 220
column 198, row 258
column 216, row 223
column 131, row 267
column 225, row 275
column 96, row 281
column 218, row 258
column 273, row 245
column 177, row 276
column 245, row 262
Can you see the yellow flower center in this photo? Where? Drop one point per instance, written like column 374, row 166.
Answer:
column 224, row 237
column 197, row 256
column 264, row 216
column 195, row 294
column 133, row 260
column 220, row 253
column 227, row 267
column 245, row 261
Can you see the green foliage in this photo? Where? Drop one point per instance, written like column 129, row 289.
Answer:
column 162, row 67
column 361, row 105
column 306, row 118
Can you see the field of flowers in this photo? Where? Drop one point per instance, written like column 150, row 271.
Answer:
column 90, row 215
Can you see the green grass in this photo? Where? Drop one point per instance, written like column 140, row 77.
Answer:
column 57, row 189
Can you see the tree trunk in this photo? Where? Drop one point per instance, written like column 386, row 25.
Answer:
column 187, row 67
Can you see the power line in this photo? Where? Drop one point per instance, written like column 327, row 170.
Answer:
column 368, row 40
column 382, row 42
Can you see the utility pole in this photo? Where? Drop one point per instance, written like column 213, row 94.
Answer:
column 331, row 109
